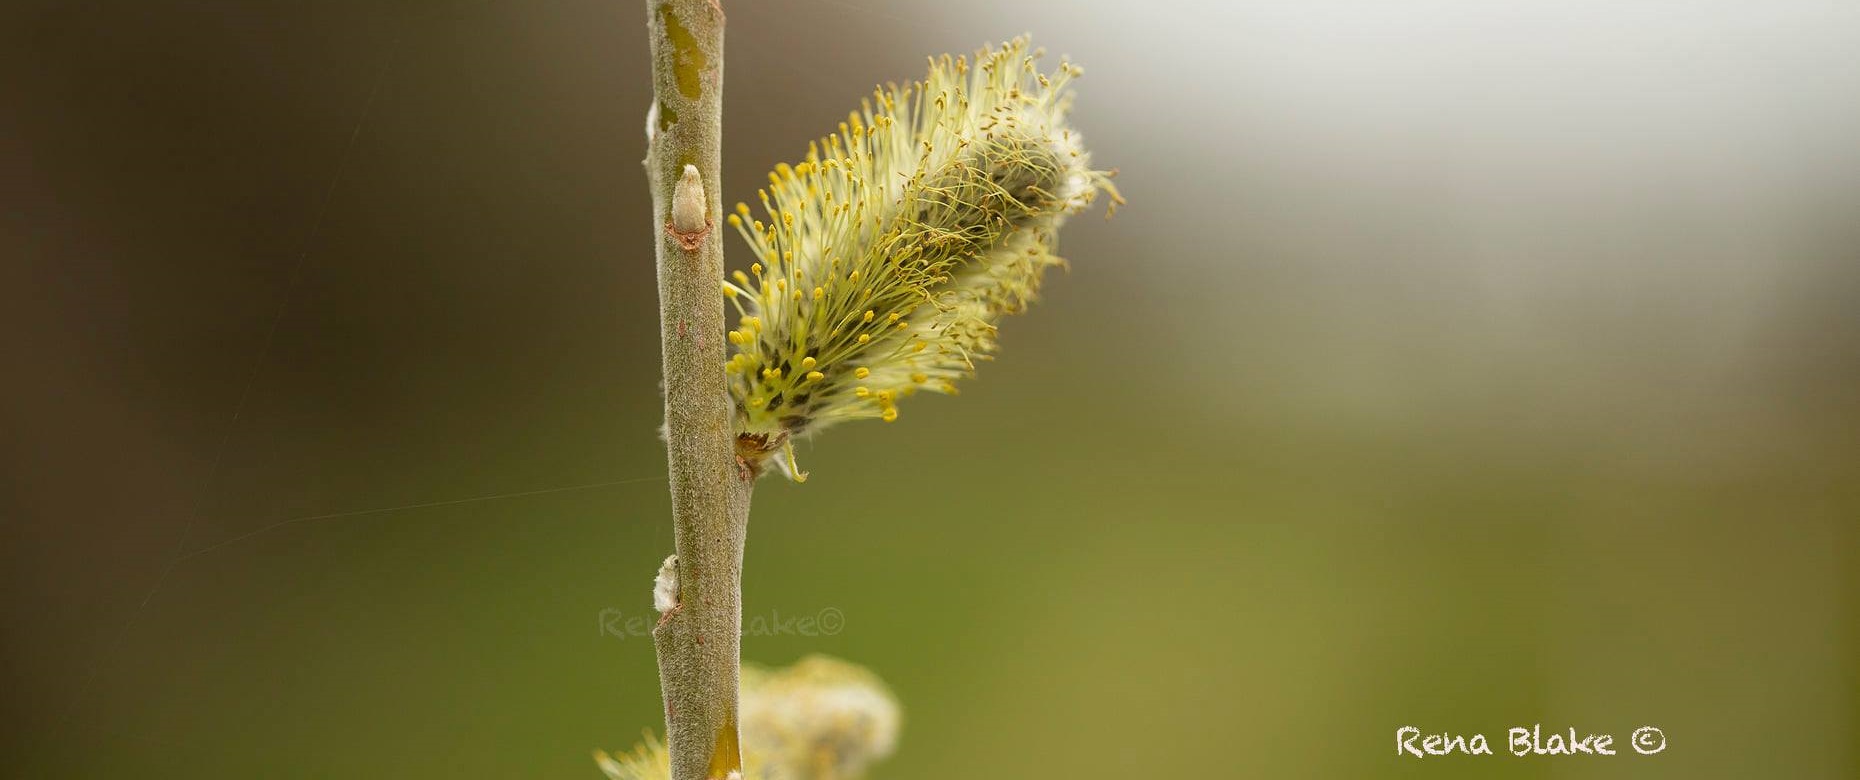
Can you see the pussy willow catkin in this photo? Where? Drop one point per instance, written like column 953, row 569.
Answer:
column 890, row 252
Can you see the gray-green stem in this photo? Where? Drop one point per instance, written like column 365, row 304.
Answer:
column 698, row 639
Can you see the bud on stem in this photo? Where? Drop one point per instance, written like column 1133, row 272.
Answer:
column 688, row 223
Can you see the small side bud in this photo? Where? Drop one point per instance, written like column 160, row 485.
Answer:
column 665, row 586
column 689, row 223
column 688, row 202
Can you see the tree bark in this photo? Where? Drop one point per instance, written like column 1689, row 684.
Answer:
column 699, row 636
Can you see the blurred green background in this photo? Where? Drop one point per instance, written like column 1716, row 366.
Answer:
column 1459, row 365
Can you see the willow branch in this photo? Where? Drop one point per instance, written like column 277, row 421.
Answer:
column 700, row 593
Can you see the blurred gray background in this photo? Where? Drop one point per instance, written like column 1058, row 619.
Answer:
column 1456, row 364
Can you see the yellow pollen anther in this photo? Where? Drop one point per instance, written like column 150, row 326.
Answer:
column 861, row 372
column 869, row 314
column 729, row 291
column 889, row 415
column 735, row 221
column 865, row 337
column 815, row 376
column 819, row 293
column 861, row 392
column 755, row 268
column 920, row 378
column 807, row 363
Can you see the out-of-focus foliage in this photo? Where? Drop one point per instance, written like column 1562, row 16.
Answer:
column 820, row 719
